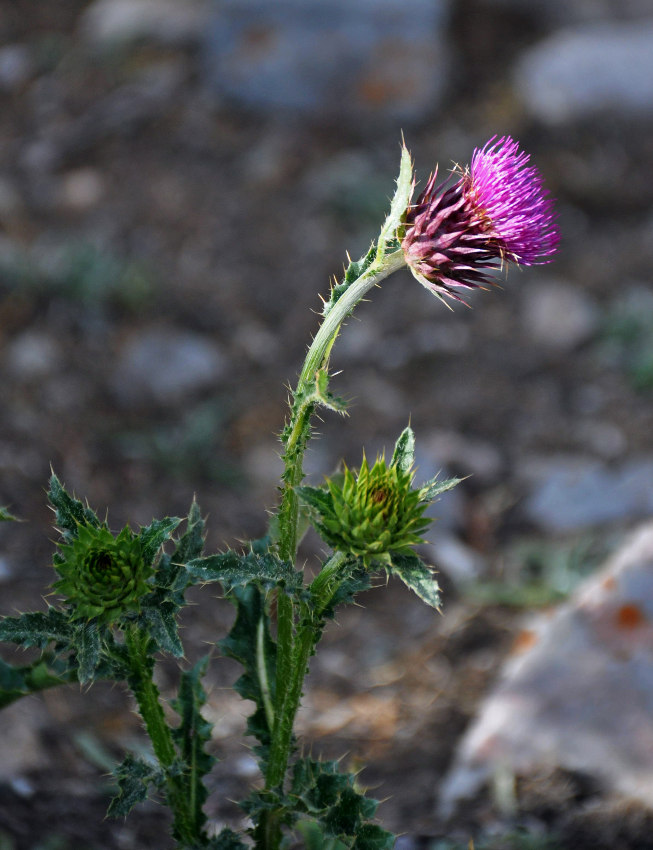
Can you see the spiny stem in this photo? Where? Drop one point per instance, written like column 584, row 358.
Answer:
column 147, row 697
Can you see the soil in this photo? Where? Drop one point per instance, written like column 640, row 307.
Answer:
column 211, row 220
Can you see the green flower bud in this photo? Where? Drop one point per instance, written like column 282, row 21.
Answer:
column 101, row 575
column 371, row 515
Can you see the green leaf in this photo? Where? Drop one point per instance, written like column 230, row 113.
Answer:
column 161, row 624
column 432, row 489
column 17, row 682
column 192, row 735
column 191, row 543
column 371, row 836
column 134, row 777
column 399, row 204
column 317, row 498
column 226, row 839
column 319, row 790
column 5, row 516
column 37, row 629
column 87, row 643
column 70, row 513
column 250, row 643
column 353, row 271
column 417, row 577
column 152, row 537
column 322, row 396
column 238, row 570
column 404, row 453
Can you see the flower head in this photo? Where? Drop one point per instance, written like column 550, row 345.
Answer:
column 101, row 575
column 372, row 514
column 496, row 211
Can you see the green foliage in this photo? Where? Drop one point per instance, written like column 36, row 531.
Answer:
column 70, row 513
column 318, row 789
column 353, row 271
column 46, row 672
column 5, row 516
column 135, row 778
column 192, row 736
column 417, row 577
column 38, row 629
column 250, row 643
column 238, row 570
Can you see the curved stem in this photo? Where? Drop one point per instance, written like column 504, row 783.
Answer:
column 294, row 650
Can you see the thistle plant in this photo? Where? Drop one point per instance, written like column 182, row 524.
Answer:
column 117, row 598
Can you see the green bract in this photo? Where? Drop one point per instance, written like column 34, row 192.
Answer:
column 101, row 575
column 371, row 515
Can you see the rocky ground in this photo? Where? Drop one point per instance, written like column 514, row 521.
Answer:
column 164, row 242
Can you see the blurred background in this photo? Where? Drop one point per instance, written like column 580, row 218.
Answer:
column 179, row 182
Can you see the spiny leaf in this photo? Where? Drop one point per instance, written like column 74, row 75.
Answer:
column 17, row 682
column 87, row 643
column 191, row 543
column 250, row 643
column 353, row 271
column 417, row 577
column 5, row 516
column 153, row 536
column 371, row 836
column 193, row 734
column 134, row 777
column 432, row 489
column 399, row 203
column 320, row 790
column 70, row 513
column 37, row 629
column 404, row 453
column 226, row 839
column 237, row 570
column 160, row 622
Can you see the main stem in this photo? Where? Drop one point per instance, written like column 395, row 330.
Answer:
column 293, row 651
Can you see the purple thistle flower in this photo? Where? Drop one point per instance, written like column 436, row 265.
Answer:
column 496, row 211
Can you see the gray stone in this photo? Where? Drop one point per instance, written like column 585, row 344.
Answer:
column 16, row 66
column 165, row 365
column 571, row 493
column 106, row 23
column 558, row 316
column 331, row 57
column 576, row 692
column 583, row 71
column 32, row 355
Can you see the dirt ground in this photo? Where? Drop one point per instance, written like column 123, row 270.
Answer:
column 134, row 215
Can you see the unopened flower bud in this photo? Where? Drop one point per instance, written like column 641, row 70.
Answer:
column 101, row 575
column 372, row 514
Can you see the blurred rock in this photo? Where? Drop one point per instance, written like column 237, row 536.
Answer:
column 449, row 554
column 168, row 22
column 587, row 70
column 571, row 493
column 81, row 189
column 165, row 365
column 558, row 316
column 16, row 66
column 331, row 57
column 577, row 691
column 32, row 355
